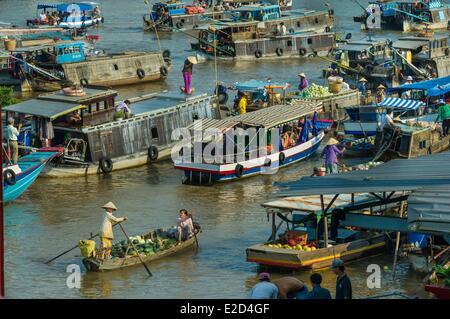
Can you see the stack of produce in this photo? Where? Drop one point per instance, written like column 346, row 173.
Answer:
column 295, row 244
column 315, row 91
column 144, row 246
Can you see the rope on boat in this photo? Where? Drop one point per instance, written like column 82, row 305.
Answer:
column 154, row 27
column 39, row 70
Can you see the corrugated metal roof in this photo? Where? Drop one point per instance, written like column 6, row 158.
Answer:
column 409, row 44
column 396, row 175
column 312, row 204
column 277, row 115
column 46, row 109
column 429, row 209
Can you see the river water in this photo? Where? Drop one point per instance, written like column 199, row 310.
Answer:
column 55, row 213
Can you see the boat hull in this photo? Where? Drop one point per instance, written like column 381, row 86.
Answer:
column 320, row 258
column 95, row 264
column 200, row 173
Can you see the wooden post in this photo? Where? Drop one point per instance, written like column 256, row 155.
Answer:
column 274, row 228
column 397, row 242
column 325, row 222
column 2, row 247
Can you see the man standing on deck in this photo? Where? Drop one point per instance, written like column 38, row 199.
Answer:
column 106, row 233
column 330, row 152
column 343, row 283
column 12, row 134
column 264, row 289
column 444, row 116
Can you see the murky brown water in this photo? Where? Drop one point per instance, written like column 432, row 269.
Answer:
column 54, row 214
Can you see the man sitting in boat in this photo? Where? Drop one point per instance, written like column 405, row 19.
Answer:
column 124, row 108
column 303, row 82
column 106, row 232
column 96, row 12
column 185, row 227
column 387, row 119
column 43, row 17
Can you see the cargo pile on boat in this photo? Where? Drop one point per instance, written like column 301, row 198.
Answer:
column 144, row 246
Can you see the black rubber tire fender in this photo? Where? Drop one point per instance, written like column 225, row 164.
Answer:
column 302, row 51
column 103, row 19
column 239, row 170
column 9, row 177
column 166, row 54
column 140, row 73
column 281, row 158
column 327, row 29
column 163, row 71
column 223, row 98
column 348, row 36
column 267, row 162
column 279, row 51
column 447, row 52
column 179, row 25
column 258, row 54
column 84, row 82
column 152, row 153
column 106, row 165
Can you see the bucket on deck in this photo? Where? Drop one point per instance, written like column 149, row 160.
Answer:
column 319, row 171
column 335, row 84
column 418, row 240
column 10, row 44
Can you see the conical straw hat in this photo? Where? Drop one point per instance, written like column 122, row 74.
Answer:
column 109, row 205
column 192, row 59
column 332, row 141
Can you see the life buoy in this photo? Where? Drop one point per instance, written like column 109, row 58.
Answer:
column 152, row 153
column 281, row 158
column 327, row 29
column 302, row 51
column 84, row 82
column 239, row 170
column 279, row 51
column 106, row 165
column 9, row 177
column 258, row 54
column 163, row 71
column 140, row 73
column 166, row 54
column 179, row 25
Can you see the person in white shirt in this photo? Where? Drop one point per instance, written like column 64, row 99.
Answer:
column 185, row 227
column 12, row 134
column 407, row 94
column 283, row 29
column 106, row 232
column 43, row 17
column 387, row 119
column 124, row 107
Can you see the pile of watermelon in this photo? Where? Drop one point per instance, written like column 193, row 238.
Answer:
column 144, row 246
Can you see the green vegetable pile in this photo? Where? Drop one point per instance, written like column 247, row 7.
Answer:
column 144, row 246
column 315, row 91
column 444, row 273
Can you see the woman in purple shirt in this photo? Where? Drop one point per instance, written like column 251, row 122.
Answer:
column 330, row 153
column 303, row 82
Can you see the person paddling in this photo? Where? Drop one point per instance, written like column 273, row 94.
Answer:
column 106, row 232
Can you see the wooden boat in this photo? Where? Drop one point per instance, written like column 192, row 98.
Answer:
column 363, row 147
column 255, row 160
column 97, row 264
column 300, row 215
column 410, row 15
column 99, row 143
column 18, row 178
column 69, row 15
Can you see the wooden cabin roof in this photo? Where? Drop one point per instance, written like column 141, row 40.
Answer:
column 92, row 93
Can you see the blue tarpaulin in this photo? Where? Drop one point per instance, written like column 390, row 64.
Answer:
column 67, row 7
column 439, row 90
column 429, row 85
column 255, row 85
column 401, row 103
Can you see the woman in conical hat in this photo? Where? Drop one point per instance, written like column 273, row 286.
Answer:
column 187, row 73
column 330, row 153
column 106, row 232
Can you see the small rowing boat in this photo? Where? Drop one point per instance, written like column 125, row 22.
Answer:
column 161, row 239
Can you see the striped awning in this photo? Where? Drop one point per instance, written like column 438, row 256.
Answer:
column 401, row 103
column 435, row 4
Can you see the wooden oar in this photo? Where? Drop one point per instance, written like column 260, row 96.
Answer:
column 134, row 247
column 74, row 247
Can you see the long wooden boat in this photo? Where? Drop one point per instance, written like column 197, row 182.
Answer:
column 19, row 177
column 97, row 264
column 101, row 142
column 254, row 160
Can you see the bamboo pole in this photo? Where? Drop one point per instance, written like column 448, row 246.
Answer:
column 397, row 242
